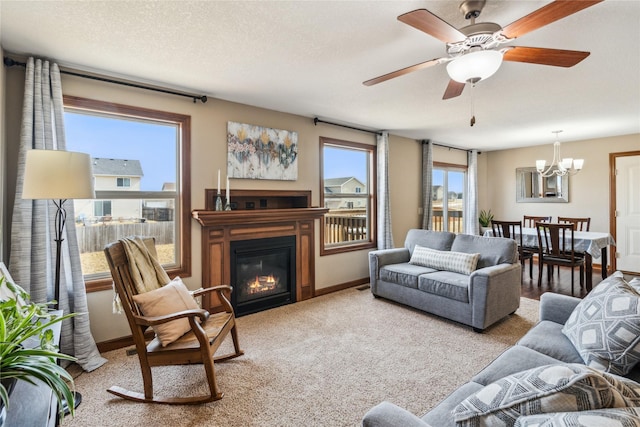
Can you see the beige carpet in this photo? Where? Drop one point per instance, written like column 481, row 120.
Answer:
column 321, row 362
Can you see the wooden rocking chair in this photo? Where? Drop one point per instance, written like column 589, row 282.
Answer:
column 208, row 331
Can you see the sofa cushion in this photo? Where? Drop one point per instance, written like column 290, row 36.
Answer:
column 492, row 250
column 440, row 416
column 404, row 274
column 609, row 417
column 513, row 360
column 440, row 240
column 446, row 284
column 458, row 262
column 605, row 326
column 546, row 389
column 547, row 338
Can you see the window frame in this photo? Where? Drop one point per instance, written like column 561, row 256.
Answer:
column 124, row 180
column 371, row 195
column 183, row 154
column 452, row 167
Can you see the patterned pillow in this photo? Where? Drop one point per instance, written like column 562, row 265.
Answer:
column 545, row 389
column 458, row 262
column 610, row 417
column 605, row 327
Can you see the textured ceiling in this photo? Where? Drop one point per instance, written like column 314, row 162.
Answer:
column 311, row 57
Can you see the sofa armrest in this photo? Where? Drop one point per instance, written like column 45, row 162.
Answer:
column 382, row 257
column 494, row 292
column 387, row 414
column 557, row 308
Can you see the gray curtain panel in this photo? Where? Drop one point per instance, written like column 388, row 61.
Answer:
column 385, row 236
column 33, row 251
column 427, row 184
column 471, row 225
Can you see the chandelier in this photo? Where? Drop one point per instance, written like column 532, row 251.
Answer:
column 566, row 166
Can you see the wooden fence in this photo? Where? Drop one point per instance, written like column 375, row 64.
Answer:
column 93, row 238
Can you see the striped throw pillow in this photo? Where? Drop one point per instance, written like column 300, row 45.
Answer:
column 458, row 262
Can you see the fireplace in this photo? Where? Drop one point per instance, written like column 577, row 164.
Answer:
column 263, row 273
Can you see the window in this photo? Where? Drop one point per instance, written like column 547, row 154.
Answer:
column 140, row 161
column 448, row 197
column 123, row 182
column 102, row 208
column 348, row 190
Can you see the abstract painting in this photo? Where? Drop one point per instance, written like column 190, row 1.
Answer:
column 257, row 152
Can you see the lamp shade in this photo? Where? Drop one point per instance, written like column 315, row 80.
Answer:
column 477, row 65
column 56, row 174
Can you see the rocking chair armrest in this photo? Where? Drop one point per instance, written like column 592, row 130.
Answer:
column 158, row 320
column 218, row 289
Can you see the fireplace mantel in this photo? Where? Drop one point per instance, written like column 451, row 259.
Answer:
column 217, row 218
column 286, row 214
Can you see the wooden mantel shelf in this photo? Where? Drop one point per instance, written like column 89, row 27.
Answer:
column 208, row 218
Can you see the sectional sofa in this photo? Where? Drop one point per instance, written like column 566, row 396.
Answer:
column 575, row 365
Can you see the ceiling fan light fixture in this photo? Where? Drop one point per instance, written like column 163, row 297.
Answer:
column 475, row 66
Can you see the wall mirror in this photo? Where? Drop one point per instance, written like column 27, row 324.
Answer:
column 531, row 187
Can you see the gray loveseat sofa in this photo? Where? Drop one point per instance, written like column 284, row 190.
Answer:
column 545, row 344
column 478, row 299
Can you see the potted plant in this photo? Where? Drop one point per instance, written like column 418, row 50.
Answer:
column 27, row 349
column 485, row 219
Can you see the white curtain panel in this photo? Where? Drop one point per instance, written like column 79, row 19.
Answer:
column 471, row 225
column 385, row 235
column 427, row 184
column 33, row 250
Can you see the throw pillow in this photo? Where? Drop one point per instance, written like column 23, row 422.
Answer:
column 459, row 262
column 545, row 389
column 171, row 298
column 611, row 417
column 605, row 327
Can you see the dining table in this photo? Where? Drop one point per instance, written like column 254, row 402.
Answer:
column 592, row 244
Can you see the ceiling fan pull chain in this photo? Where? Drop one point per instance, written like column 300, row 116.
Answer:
column 473, row 116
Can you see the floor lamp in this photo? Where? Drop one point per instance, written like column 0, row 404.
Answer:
column 59, row 176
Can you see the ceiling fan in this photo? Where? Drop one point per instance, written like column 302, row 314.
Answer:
column 474, row 51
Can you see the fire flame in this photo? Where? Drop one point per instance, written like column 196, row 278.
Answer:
column 262, row 284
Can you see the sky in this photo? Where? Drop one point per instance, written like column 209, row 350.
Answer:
column 126, row 139
column 135, row 140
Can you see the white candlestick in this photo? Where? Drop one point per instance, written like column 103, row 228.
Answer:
column 218, row 181
column 228, row 190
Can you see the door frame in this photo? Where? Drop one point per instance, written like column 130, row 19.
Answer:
column 612, row 200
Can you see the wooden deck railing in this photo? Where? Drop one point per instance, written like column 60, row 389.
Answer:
column 345, row 226
column 455, row 220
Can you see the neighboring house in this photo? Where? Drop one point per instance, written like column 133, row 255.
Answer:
column 112, row 175
column 347, row 185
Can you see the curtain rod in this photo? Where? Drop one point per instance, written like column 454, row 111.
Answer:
column 425, row 141
column 317, row 120
column 9, row 62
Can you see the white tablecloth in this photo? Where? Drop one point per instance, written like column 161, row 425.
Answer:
column 590, row 242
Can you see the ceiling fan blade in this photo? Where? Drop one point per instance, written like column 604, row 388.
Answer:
column 429, row 23
column 454, row 89
column 402, row 72
column 544, row 56
column 546, row 15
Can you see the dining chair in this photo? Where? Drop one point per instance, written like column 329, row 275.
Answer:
column 556, row 247
column 513, row 230
column 580, row 224
column 530, row 221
